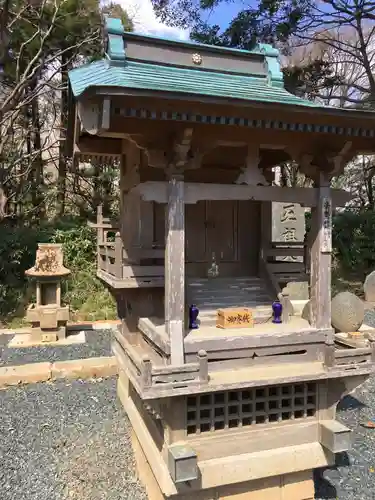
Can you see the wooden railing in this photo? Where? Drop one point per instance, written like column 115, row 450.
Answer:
column 111, row 256
column 109, row 246
column 277, row 270
column 117, row 263
column 290, row 249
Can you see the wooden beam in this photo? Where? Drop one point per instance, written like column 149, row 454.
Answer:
column 227, row 342
column 96, row 146
column 175, row 268
column 158, row 191
column 321, row 249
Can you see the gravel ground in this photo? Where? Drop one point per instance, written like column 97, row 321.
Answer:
column 354, row 476
column 98, row 343
column 65, row 441
column 70, row 441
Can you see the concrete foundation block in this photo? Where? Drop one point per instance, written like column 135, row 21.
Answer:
column 25, row 374
column 85, row 368
column 296, row 486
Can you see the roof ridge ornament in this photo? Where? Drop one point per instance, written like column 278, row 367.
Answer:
column 114, row 31
column 275, row 75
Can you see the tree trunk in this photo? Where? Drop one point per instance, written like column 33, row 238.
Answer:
column 97, row 195
column 37, row 166
column 107, row 190
column 62, row 168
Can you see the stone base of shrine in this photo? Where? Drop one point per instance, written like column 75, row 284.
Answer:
column 296, row 486
column 283, row 473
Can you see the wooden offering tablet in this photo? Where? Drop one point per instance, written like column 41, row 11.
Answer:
column 239, row 317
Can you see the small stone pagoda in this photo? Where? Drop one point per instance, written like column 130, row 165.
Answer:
column 47, row 316
column 219, row 412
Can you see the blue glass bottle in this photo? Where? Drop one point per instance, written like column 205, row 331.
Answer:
column 277, row 309
column 193, row 317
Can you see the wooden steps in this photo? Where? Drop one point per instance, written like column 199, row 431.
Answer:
column 211, row 294
column 285, row 278
column 286, row 271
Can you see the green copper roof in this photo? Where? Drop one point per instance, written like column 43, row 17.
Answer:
column 153, row 77
column 139, row 73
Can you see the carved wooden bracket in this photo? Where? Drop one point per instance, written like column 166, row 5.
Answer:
column 332, row 163
column 182, row 149
column 251, row 173
column 341, row 159
column 179, row 155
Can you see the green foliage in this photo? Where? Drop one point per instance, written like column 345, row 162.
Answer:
column 45, row 36
column 17, row 254
column 354, row 241
column 82, row 290
column 308, row 80
column 78, row 243
column 265, row 21
column 85, row 294
column 114, row 9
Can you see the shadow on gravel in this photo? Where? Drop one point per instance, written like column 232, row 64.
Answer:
column 350, row 403
column 324, row 489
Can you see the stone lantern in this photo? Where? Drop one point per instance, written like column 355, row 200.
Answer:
column 47, row 316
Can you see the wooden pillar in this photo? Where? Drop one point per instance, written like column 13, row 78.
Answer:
column 321, row 249
column 175, row 268
column 266, row 219
column 130, row 222
column 266, row 228
column 100, row 236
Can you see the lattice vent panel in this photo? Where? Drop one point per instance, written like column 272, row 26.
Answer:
column 251, row 407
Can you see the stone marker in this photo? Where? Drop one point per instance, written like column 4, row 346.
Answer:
column 369, row 287
column 298, row 290
column 288, row 225
column 348, row 312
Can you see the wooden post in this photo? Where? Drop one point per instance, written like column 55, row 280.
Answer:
column 203, row 365
column 287, row 311
column 266, row 217
column 118, row 256
column 99, row 225
column 321, row 249
column 131, row 219
column 175, row 268
column 266, row 228
column 99, row 236
column 146, row 371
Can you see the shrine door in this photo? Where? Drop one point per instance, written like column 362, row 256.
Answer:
column 227, row 231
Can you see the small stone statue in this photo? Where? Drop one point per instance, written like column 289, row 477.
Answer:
column 213, row 271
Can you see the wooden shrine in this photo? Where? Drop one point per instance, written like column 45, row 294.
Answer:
column 218, row 412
